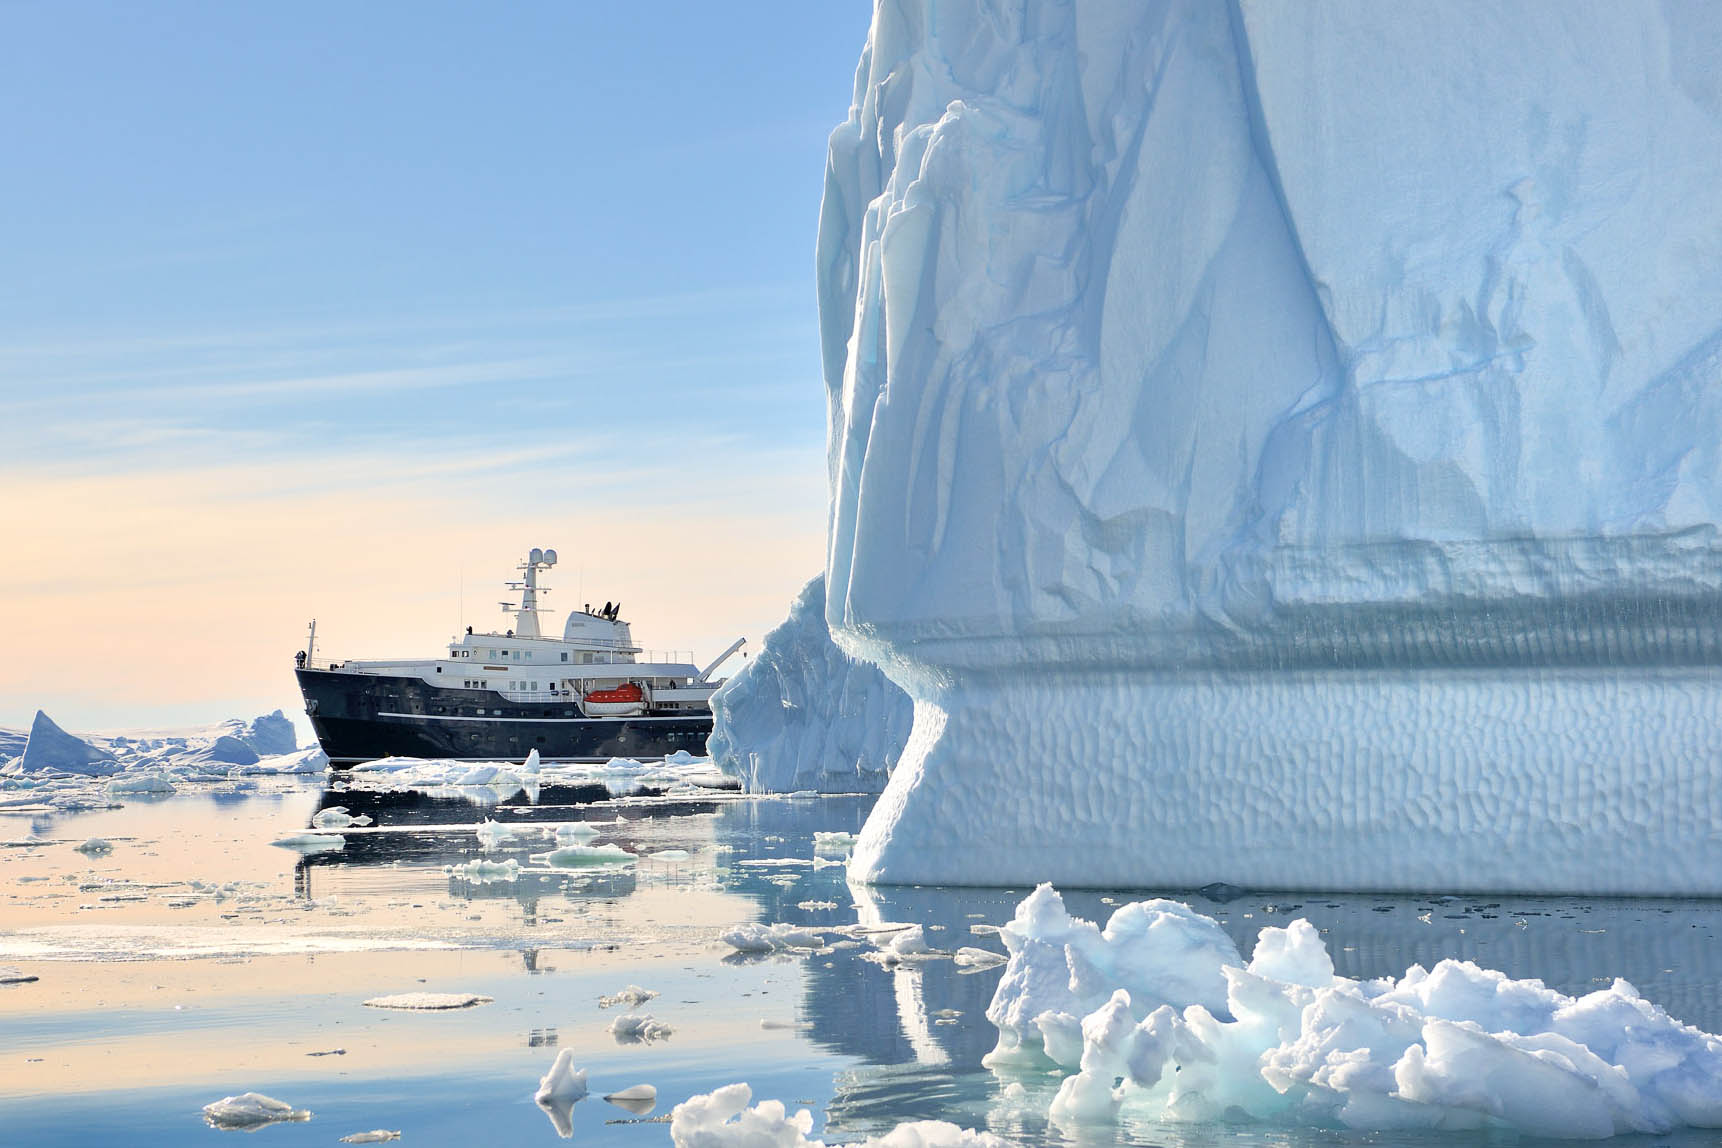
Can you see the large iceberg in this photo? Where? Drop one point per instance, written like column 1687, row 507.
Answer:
column 1279, row 444
column 805, row 715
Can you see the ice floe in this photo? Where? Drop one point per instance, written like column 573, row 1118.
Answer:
column 722, row 1119
column 759, row 938
column 637, row 1028
column 637, row 1098
column 250, row 1110
column 1160, row 1016
column 492, row 835
column 312, row 842
column 430, row 1001
column 374, row 1136
column 481, row 872
column 580, row 856
column 631, row 996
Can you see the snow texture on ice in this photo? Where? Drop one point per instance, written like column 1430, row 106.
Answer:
column 1159, row 1015
column 1234, row 446
column 805, row 715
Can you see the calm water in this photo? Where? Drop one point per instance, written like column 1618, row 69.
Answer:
column 197, row 960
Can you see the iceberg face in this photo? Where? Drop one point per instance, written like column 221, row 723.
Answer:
column 1309, row 409
column 804, row 715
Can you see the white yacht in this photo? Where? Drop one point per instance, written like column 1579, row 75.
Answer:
column 589, row 695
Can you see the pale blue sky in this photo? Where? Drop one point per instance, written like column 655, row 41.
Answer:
column 487, row 261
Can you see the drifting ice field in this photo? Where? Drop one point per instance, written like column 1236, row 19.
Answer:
column 468, row 948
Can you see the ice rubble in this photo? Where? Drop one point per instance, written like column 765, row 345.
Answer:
column 805, row 715
column 488, row 783
column 1159, row 1014
column 723, row 1119
column 1263, row 425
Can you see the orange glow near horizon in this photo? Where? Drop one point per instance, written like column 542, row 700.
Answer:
column 164, row 597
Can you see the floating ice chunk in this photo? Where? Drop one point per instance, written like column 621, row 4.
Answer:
column 559, row 1090
column 362, row 819
column 96, row 847
column 969, row 957
column 576, row 833
column 487, row 775
column 758, row 938
column 669, row 855
column 532, row 764
column 638, row 1098
column 1457, row 1047
column 313, row 842
column 492, row 834
column 578, row 856
column 908, row 944
column 632, row 996
column 334, row 817
column 481, row 872
column 722, row 1119
column 420, row 1001
column 250, row 1110
column 637, row 1028
column 374, row 1136
column 311, row 760
column 833, row 842
column 146, row 782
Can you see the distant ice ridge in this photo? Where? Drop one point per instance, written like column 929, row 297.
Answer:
column 805, row 715
column 1158, row 1015
column 47, row 764
column 1233, row 441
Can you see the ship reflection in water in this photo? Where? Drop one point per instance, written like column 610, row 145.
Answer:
column 914, row 1032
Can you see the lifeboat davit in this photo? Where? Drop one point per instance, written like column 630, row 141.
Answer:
column 619, row 701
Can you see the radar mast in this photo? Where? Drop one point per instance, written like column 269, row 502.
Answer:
column 526, row 614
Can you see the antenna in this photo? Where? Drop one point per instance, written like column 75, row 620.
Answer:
column 550, row 557
column 536, row 558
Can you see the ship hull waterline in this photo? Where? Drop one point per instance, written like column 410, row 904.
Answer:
column 363, row 717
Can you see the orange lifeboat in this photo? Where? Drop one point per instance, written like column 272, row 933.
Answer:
column 627, row 698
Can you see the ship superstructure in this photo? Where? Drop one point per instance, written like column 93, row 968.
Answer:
column 588, row 695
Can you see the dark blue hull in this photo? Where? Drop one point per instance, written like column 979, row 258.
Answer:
column 361, row 717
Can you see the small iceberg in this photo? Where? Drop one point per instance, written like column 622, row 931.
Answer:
column 483, row 872
column 576, row 833
column 633, row 996
column 374, row 1136
column 492, row 835
column 757, row 938
column 559, row 1090
column 428, row 1001
column 250, row 1110
column 579, row 856
column 334, row 817
column 639, row 1028
column 638, row 1099
column 96, row 847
